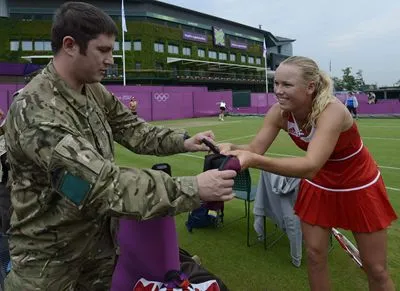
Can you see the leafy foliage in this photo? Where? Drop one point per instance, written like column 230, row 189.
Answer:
column 349, row 82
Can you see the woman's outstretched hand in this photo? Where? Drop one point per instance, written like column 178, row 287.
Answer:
column 247, row 159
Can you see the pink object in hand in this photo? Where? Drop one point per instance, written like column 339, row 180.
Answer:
column 231, row 163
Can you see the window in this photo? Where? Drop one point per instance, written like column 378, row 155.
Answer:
column 212, row 54
column 137, row 45
column 38, row 45
column 232, row 57
column 112, row 71
column 173, row 49
column 116, row 46
column 222, row 56
column 251, row 60
column 187, row 51
column 201, row 53
column 243, row 59
column 14, row 45
column 26, row 45
column 158, row 47
column 47, row 46
column 127, row 46
column 138, row 66
column 42, row 46
column 258, row 61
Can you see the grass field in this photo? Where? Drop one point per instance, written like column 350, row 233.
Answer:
column 223, row 251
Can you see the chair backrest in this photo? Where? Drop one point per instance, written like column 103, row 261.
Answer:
column 242, row 181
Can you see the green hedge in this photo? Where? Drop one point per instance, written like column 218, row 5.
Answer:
column 147, row 32
column 11, row 29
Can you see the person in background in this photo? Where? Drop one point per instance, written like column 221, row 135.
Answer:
column 66, row 185
column 133, row 105
column 351, row 103
column 222, row 108
column 371, row 98
column 341, row 184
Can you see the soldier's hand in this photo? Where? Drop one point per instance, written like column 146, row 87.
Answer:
column 195, row 144
column 215, row 185
column 226, row 147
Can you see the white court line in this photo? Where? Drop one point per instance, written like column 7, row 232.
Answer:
column 382, row 138
column 394, row 189
column 363, row 137
column 286, row 155
column 237, row 138
column 379, row 126
column 283, row 155
column 194, row 124
column 290, row 156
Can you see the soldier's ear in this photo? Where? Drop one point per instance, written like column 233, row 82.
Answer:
column 70, row 46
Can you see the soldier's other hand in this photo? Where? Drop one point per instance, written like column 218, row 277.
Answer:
column 195, row 144
column 216, row 185
column 226, row 147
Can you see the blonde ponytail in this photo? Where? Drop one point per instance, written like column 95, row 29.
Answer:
column 324, row 96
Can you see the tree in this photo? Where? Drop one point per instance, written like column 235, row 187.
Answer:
column 352, row 83
column 337, row 84
column 348, row 80
column 360, row 84
column 397, row 84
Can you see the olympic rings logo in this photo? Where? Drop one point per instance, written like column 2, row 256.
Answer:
column 161, row 97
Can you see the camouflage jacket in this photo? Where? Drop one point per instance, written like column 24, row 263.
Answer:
column 65, row 183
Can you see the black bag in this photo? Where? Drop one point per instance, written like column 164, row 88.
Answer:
column 209, row 213
column 212, row 213
column 195, row 272
column 5, row 199
column 204, row 216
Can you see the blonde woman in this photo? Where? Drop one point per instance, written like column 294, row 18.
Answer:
column 341, row 186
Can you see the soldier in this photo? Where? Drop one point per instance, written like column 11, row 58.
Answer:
column 65, row 184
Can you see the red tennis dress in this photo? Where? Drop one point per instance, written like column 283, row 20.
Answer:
column 348, row 192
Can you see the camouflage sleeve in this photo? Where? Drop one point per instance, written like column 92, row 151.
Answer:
column 96, row 186
column 139, row 136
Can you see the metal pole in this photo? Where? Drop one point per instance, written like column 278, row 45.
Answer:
column 124, row 29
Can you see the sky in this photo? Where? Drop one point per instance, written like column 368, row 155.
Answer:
column 361, row 34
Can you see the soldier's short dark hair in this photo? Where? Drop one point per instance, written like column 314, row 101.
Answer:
column 83, row 22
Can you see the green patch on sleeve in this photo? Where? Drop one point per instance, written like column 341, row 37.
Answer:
column 74, row 188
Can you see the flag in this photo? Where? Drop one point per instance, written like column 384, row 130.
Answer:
column 264, row 50
column 124, row 29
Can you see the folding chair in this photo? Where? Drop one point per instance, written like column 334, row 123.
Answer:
column 245, row 191
column 275, row 199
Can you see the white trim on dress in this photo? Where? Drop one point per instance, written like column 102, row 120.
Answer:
column 348, row 189
column 349, row 156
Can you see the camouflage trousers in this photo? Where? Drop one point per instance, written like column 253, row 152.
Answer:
column 93, row 275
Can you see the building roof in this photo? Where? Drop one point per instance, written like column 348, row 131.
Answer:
column 271, row 40
column 167, row 5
